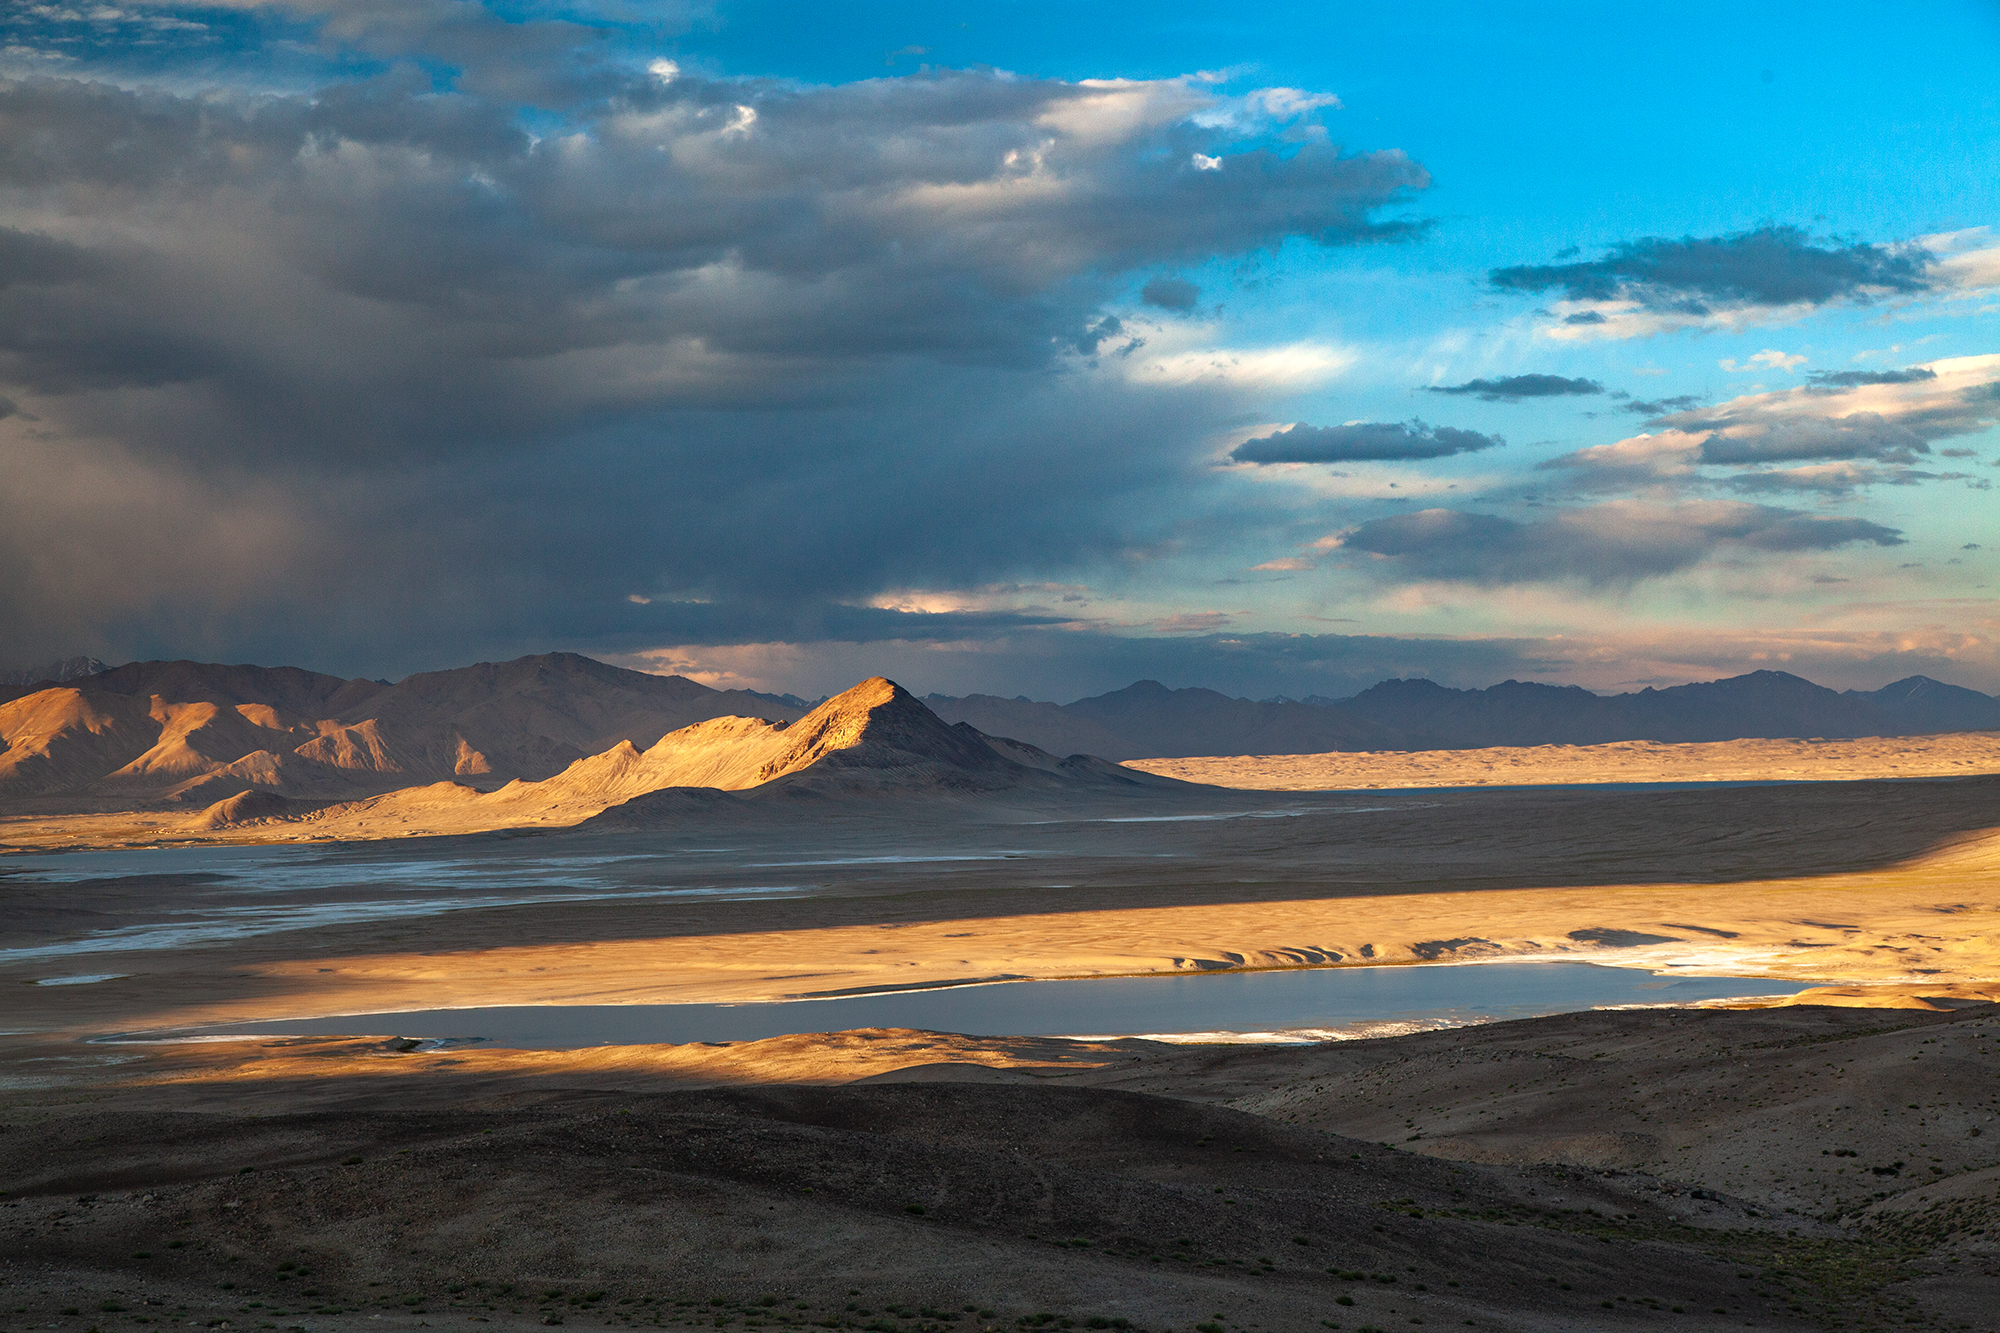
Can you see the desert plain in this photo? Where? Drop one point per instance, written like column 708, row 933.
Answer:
column 1816, row 1158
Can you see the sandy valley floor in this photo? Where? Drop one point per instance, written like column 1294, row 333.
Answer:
column 1811, row 1165
column 1956, row 754
column 1826, row 883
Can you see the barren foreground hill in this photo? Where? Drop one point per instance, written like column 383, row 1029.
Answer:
column 1776, row 1169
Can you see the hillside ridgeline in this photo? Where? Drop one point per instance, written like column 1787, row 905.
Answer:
column 191, row 732
column 873, row 741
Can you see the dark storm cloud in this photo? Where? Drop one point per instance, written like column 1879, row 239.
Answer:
column 375, row 369
column 1771, row 266
column 1514, row 388
column 693, row 242
column 1367, row 441
column 1170, row 293
column 1610, row 544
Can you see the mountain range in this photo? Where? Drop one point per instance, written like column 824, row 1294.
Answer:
column 1148, row 720
column 190, row 734
column 868, row 743
column 189, row 731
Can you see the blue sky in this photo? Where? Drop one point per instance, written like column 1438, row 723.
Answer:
column 1021, row 348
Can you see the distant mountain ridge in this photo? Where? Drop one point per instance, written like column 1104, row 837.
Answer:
column 69, row 668
column 192, row 733
column 1148, row 720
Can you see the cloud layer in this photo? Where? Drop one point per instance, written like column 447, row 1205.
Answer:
column 1772, row 274
column 1771, row 266
column 1877, row 418
column 1611, row 544
column 1362, row 441
column 1514, row 388
column 383, row 336
column 379, row 369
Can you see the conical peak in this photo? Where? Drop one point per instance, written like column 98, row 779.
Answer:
column 876, row 723
column 871, row 693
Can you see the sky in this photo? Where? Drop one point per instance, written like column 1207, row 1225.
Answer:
column 1016, row 348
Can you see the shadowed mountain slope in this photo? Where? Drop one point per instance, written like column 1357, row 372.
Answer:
column 1922, row 704
column 1147, row 719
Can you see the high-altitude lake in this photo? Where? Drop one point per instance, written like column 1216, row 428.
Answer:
column 1307, row 1004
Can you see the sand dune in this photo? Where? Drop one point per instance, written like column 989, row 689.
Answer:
column 1961, row 754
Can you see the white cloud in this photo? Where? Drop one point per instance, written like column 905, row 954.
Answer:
column 1600, row 321
column 1187, row 352
column 1968, row 261
column 1835, row 421
column 1768, row 359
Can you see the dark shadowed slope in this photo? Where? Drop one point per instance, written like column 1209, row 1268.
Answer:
column 905, row 1209
column 1920, row 704
column 1149, row 720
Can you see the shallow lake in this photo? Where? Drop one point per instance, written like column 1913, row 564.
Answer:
column 1308, row 1004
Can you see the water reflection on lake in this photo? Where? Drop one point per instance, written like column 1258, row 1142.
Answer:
column 1307, row 1004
